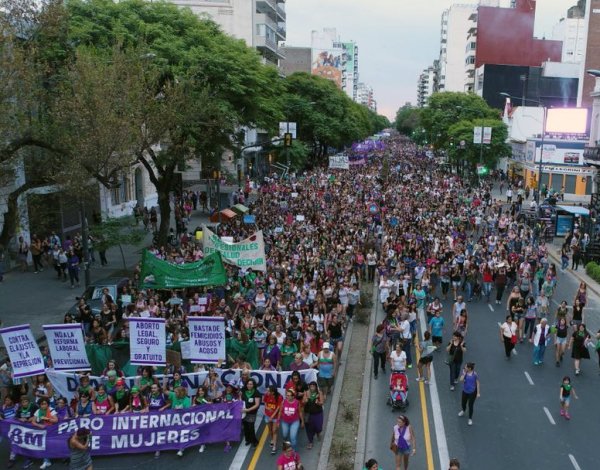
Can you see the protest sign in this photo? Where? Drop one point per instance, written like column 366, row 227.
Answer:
column 67, row 346
column 66, row 383
column 207, row 339
column 23, row 351
column 249, row 253
column 339, row 162
column 129, row 433
column 147, row 341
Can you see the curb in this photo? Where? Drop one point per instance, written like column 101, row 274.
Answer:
column 361, row 442
column 335, row 401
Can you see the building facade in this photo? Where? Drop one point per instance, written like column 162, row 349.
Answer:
column 260, row 23
column 296, row 59
column 365, row 96
column 426, row 85
column 455, row 25
column 592, row 57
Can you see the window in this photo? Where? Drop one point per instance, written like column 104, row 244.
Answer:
column 470, row 60
column 122, row 193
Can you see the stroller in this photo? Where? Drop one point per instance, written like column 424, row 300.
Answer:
column 398, row 398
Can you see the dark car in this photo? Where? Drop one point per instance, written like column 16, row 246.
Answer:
column 93, row 293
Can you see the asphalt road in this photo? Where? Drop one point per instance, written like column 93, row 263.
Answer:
column 516, row 420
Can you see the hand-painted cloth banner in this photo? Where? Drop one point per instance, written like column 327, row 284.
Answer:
column 159, row 274
column 67, row 346
column 339, row 162
column 147, row 341
column 249, row 253
column 23, row 351
column 130, row 433
column 207, row 339
column 65, row 384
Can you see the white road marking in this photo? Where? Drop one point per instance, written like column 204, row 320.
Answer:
column 436, row 410
column 574, row 462
column 242, row 452
column 529, row 378
column 549, row 415
column 491, row 308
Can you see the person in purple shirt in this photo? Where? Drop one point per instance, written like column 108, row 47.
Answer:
column 272, row 351
column 73, row 268
column 298, row 363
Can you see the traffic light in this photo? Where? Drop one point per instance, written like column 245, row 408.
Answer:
column 483, row 170
column 287, row 139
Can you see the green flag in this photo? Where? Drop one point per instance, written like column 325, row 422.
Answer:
column 159, row 274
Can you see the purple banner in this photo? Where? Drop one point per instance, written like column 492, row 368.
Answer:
column 130, row 433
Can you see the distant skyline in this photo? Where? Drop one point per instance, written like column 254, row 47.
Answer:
column 397, row 39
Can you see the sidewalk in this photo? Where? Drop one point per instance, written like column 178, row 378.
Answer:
column 40, row 299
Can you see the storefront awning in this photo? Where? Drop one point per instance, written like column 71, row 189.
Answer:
column 226, row 216
column 240, row 209
column 575, row 210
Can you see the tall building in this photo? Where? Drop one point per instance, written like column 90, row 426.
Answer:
column 455, row 26
column 426, row 85
column 592, row 57
column 504, row 36
column 365, row 96
column 260, row 23
column 296, row 59
column 335, row 60
column 572, row 32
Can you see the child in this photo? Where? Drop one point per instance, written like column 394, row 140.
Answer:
column 566, row 390
column 399, row 390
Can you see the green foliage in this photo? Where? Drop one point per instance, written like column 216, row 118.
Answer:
column 592, row 269
column 408, row 120
column 116, row 231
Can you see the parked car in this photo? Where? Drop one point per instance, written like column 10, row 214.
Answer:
column 93, row 293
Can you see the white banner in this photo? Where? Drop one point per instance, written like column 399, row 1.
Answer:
column 67, row 346
column 477, row 135
column 207, row 339
column 487, row 135
column 147, row 341
column 65, row 384
column 339, row 162
column 23, row 351
column 249, row 253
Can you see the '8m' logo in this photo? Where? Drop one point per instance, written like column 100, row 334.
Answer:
column 26, row 438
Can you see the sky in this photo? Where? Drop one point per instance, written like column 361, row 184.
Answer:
column 397, row 39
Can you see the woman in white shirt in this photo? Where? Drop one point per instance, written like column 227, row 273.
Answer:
column 398, row 358
column 508, row 330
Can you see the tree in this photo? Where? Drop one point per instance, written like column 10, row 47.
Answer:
column 116, row 232
column 447, row 108
column 407, row 119
column 206, row 85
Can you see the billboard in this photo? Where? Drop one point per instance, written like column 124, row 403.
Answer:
column 566, row 121
column 330, row 64
column 555, row 153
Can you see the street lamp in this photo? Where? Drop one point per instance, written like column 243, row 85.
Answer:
column 541, row 168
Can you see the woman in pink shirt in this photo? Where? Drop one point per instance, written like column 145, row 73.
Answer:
column 291, row 417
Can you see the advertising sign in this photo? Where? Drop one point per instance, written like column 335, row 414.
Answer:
column 129, row 433
column 147, row 341
column 249, row 253
column 477, row 135
column 23, row 351
column 329, row 63
column 207, row 339
column 487, row 135
column 67, row 346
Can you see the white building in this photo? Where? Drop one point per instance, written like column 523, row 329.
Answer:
column 573, row 33
column 426, row 85
column 364, row 96
column 260, row 23
column 456, row 22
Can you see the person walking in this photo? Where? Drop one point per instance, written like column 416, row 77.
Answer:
column 272, row 401
column 426, row 348
column 291, row 418
column 508, row 335
column 540, row 339
column 251, row 397
column 403, row 443
column 289, row 459
column 379, row 349
column 313, row 412
column 560, row 339
column 79, row 446
column 456, row 349
column 471, row 390
column 578, row 344
column 566, row 390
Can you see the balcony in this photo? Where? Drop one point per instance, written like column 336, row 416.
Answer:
column 265, row 5
column 263, row 42
column 264, row 19
column 280, row 12
column 281, row 31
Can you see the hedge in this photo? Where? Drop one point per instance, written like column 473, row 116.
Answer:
column 593, row 270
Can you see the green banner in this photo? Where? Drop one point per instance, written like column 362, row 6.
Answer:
column 159, row 274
